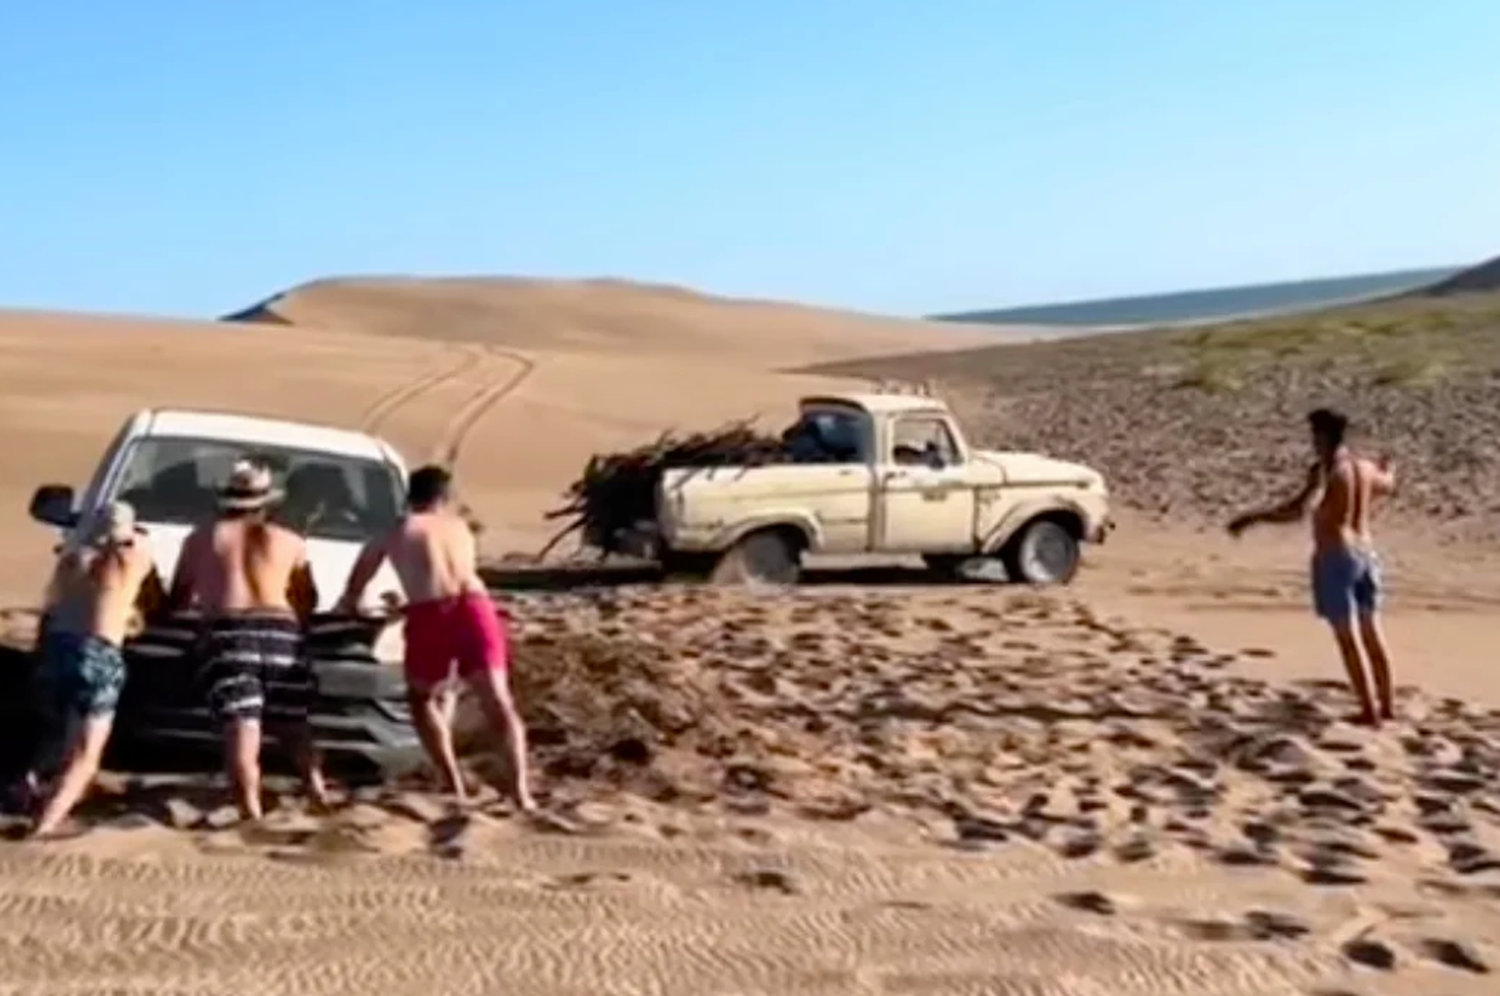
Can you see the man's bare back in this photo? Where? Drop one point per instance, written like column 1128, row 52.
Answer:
column 94, row 590
column 1348, row 486
column 237, row 566
column 434, row 555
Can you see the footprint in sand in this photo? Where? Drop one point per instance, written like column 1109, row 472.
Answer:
column 774, row 879
column 1454, row 954
column 1254, row 925
column 1098, row 903
column 1370, row 953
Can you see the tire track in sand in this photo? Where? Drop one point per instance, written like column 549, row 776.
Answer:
column 466, row 416
column 382, row 408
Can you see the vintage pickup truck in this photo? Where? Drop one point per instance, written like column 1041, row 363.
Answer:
column 883, row 474
column 341, row 488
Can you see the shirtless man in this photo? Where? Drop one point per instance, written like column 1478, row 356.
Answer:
column 1346, row 571
column 449, row 617
column 244, row 573
column 91, row 605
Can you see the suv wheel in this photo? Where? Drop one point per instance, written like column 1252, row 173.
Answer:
column 1045, row 553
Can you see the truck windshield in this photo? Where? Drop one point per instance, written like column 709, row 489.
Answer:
column 173, row 481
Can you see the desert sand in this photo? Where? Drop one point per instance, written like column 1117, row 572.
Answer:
column 1143, row 784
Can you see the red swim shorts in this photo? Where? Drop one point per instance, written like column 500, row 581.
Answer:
column 466, row 629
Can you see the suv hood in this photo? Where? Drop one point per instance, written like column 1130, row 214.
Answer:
column 331, row 561
column 1036, row 469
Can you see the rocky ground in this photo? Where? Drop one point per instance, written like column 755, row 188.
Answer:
column 1196, row 423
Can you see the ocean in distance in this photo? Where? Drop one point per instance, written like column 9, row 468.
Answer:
column 1201, row 305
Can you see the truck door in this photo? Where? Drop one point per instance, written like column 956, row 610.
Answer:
column 926, row 500
column 840, row 441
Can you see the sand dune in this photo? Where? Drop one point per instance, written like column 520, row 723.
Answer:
column 602, row 315
column 1143, row 785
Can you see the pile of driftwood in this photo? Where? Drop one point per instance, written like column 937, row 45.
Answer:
column 619, row 489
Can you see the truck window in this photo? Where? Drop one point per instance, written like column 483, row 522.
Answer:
column 172, row 481
column 917, row 440
column 829, row 435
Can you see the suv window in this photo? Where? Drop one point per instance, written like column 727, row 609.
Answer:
column 828, row 435
column 917, row 441
column 173, row 480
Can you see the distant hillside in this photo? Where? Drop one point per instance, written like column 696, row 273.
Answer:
column 1215, row 303
column 596, row 315
column 1474, row 280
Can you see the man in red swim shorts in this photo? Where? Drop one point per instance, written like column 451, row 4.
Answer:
column 450, row 619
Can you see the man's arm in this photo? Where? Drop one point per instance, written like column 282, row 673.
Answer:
column 184, row 579
column 302, row 585
column 65, row 564
column 1291, row 510
column 1383, row 478
column 363, row 572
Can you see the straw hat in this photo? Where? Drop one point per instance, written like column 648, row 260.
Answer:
column 113, row 526
column 249, row 487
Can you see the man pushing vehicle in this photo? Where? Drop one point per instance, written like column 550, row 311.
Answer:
column 450, row 619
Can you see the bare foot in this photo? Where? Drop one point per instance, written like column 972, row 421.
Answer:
column 57, row 832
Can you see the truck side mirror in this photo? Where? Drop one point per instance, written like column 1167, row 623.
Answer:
column 52, row 504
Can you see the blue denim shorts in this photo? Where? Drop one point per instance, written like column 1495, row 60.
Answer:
column 1345, row 581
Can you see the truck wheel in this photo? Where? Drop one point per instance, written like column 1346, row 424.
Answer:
column 768, row 556
column 1044, row 553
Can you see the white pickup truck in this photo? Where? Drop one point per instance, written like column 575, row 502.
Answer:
column 879, row 473
column 341, row 488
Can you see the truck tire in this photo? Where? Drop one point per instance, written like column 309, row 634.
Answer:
column 1044, row 552
column 765, row 557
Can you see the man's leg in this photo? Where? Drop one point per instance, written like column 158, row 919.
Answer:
column 291, row 694
column 83, row 755
column 1367, row 597
column 1373, row 638
column 297, row 734
column 492, row 688
column 1354, row 665
column 427, row 710
column 1333, row 576
column 242, row 739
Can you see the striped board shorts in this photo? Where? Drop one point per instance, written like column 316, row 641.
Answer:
column 255, row 668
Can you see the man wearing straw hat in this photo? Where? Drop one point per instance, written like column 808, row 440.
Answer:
column 241, row 569
column 90, row 605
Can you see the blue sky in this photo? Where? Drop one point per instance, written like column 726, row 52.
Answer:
column 191, row 157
